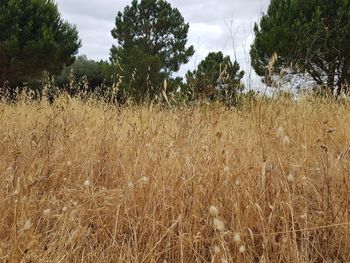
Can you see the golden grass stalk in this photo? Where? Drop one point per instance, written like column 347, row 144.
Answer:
column 86, row 182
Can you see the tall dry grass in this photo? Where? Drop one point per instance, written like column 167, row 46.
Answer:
column 85, row 182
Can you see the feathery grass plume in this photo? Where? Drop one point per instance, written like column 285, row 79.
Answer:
column 87, row 183
column 226, row 169
column 224, row 260
column 280, row 132
column 27, row 225
column 286, row 141
column 144, row 179
column 303, row 216
column 237, row 237
column 216, row 250
column 290, row 178
column 242, row 249
column 218, row 225
column 164, row 92
column 272, row 63
column 237, row 182
column 214, row 211
column 47, row 212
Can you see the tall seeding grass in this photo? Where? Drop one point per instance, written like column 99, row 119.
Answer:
column 88, row 182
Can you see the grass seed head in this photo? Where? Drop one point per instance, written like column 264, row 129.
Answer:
column 286, row 141
column 238, row 182
column 242, row 249
column 237, row 237
column 280, row 132
column 217, row 250
column 47, row 212
column 218, row 225
column 303, row 216
column 214, row 211
column 87, row 183
column 27, row 225
column 226, row 169
column 144, row 179
column 290, row 178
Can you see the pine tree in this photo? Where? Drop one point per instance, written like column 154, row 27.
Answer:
column 33, row 38
column 309, row 37
column 152, row 39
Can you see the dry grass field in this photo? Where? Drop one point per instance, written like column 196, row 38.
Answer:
column 85, row 182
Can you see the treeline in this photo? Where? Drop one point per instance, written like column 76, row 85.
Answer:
column 304, row 39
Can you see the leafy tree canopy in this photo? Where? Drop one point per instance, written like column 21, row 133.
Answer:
column 308, row 36
column 152, row 39
column 33, row 38
column 216, row 76
column 96, row 73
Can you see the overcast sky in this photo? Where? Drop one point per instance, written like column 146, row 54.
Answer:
column 224, row 25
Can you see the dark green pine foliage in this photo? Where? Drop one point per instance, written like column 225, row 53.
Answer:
column 152, row 39
column 33, row 38
column 309, row 37
column 216, row 78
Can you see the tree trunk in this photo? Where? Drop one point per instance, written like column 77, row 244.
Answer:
column 345, row 74
column 5, row 66
column 341, row 82
column 2, row 81
column 330, row 79
column 313, row 73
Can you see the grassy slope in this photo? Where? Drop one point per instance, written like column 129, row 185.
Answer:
column 87, row 183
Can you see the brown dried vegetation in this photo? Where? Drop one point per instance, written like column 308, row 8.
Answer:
column 87, row 182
